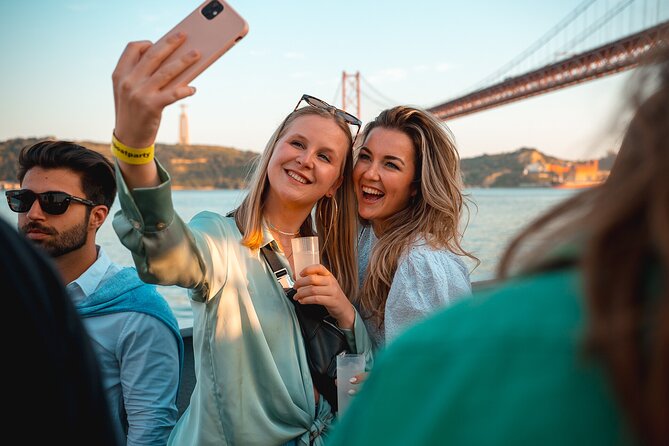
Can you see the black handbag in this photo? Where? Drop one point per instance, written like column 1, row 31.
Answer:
column 323, row 340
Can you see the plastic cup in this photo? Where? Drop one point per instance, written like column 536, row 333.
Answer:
column 305, row 253
column 348, row 366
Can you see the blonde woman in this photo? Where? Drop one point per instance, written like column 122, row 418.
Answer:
column 409, row 190
column 253, row 380
column 574, row 348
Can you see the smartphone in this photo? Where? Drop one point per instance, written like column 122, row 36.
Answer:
column 212, row 29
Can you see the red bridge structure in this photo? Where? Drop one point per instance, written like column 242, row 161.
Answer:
column 608, row 59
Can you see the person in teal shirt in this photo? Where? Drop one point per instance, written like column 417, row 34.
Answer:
column 574, row 350
column 253, row 381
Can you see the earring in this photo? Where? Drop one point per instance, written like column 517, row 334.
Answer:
column 334, row 209
column 334, row 205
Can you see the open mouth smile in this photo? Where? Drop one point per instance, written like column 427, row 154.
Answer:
column 371, row 194
column 297, row 177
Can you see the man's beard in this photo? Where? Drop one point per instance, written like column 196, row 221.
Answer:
column 60, row 243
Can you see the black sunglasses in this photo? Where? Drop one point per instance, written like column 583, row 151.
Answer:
column 318, row 103
column 52, row 202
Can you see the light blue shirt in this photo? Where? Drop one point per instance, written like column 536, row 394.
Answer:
column 139, row 361
column 426, row 280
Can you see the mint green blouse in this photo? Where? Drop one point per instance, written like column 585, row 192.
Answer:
column 253, row 382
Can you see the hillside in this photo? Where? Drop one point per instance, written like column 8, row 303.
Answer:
column 192, row 167
column 201, row 167
column 506, row 169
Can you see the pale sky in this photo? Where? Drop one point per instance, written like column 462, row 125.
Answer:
column 58, row 57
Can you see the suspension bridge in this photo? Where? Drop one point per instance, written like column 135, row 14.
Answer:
column 598, row 38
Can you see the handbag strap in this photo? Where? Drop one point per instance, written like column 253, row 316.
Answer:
column 280, row 272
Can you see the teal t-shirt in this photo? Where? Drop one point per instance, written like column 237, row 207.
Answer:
column 504, row 367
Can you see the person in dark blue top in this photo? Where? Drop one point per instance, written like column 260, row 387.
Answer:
column 53, row 389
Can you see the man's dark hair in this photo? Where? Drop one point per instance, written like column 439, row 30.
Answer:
column 97, row 172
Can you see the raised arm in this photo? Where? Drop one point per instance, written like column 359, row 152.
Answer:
column 139, row 99
column 164, row 249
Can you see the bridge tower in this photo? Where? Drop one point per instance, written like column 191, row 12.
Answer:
column 350, row 92
column 184, row 138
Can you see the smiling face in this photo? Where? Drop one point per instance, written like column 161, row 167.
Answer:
column 56, row 234
column 383, row 175
column 307, row 162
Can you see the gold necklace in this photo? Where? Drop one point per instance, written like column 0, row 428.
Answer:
column 274, row 228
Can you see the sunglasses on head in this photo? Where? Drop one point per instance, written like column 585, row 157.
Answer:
column 52, row 202
column 318, row 103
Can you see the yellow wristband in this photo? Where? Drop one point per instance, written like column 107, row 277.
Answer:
column 130, row 155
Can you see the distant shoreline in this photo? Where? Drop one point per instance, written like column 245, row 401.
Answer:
column 198, row 188
column 11, row 185
column 203, row 168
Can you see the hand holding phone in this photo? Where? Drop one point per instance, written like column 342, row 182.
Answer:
column 150, row 77
column 211, row 30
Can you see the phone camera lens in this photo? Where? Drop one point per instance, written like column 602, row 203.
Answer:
column 212, row 9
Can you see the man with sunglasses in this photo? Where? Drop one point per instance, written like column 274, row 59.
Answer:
column 65, row 196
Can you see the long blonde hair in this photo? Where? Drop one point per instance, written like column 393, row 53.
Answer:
column 335, row 224
column 433, row 213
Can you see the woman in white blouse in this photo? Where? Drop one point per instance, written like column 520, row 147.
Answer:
column 409, row 189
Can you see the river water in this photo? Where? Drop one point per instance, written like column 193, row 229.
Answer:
column 497, row 215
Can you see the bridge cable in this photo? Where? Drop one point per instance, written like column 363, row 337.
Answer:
column 610, row 14
column 532, row 49
column 375, row 101
column 378, row 93
column 336, row 96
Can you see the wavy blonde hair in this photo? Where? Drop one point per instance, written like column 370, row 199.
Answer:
column 433, row 213
column 335, row 224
